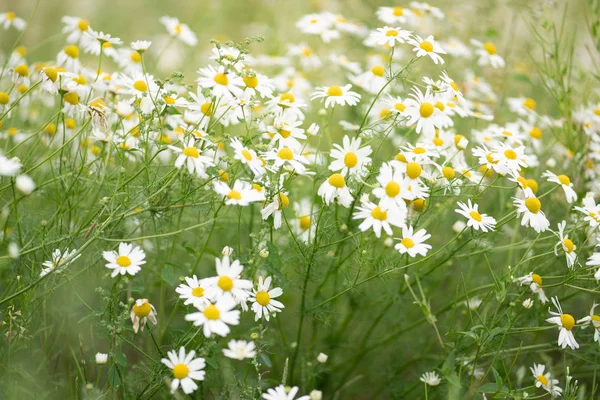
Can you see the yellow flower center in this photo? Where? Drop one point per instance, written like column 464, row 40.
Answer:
column 529, row 103
column 72, row 51
column 180, row 371
column 398, row 11
column 285, row 154
column 263, row 298
column 206, row 109
column 392, row 189
column 537, row 279
column 568, row 243
column 427, row 46
column 334, row 91
column 304, row 222
column 564, row 180
column 567, row 321
column 234, row 194
column 135, row 57
column 379, row 214
column 169, row 100
column 285, row 133
column 378, row 70
column 72, row 98
column 212, row 312
column 454, row 86
column 251, row 81
column 542, row 379
column 284, row 200
column 476, row 216
column 392, row 33
column 419, row 150
column 510, row 154
column 533, row 205
column 247, row 155
column 384, row 113
column 490, row 48
column 400, row 107
column 123, row 261
column 533, row 185
column 287, row 96
column 140, row 86
column 221, row 79
column 22, row 70
column 70, row 123
column 4, row 99
column 535, row 133
column 10, row 15
column 426, row 110
column 225, row 283
column 198, row 292
column 439, row 105
column 350, row 159
column 337, row 180
column 191, row 152
column 142, row 311
column 51, row 73
column 83, row 25
column 408, row 243
column 448, row 172
column 307, row 52
column 413, row 170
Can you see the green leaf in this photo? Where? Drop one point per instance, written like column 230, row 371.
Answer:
column 453, row 379
column 266, row 360
column 274, row 258
column 120, row 358
column 488, row 388
column 113, row 376
column 168, row 275
column 498, row 378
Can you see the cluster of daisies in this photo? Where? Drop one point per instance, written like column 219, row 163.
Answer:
column 128, row 116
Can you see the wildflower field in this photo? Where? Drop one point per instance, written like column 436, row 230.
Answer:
column 299, row 200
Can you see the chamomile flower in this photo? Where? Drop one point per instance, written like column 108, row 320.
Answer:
column 334, row 188
column 286, row 131
column 544, row 380
column 412, row 242
column 535, row 282
column 141, row 312
column 248, row 157
column 523, row 106
column 240, row 350
column 487, row 54
column 193, row 291
column 283, row 393
column 257, row 85
column 127, row 260
column 340, row 95
column 392, row 15
column 476, row 220
column 76, row 28
column 241, row 194
column 430, row 378
column 9, row 19
column 378, row 218
column 350, row 159
column 229, row 281
column 420, row 110
column 565, row 182
column 9, row 166
column 388, row 36
column 275, row 207
column 592, row 320
column 565, row 323
column 179, row 30
column 594, row 261
column 286, row 157
column 262, row 299
column 427, row 47
column 69, row 59
column 531, row 210
column 566, row 244
column 220, row 82
column 141, row 45
column 215, row 318
column 191, row 156
column 186, row 369
column 591, row 210
column 59, row 261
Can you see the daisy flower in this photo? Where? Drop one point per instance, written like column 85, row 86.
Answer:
column 9, row 19
column 420, row 110
column 531, row 209
column 544, row 380
column 303, row 223
column 275, row 208
column 430, row 378
column 350, row 158
column 413, row 243
column 142, row 311
column 262, row 299
column 374, row 216
column 523, row 106
column 566, row 244
column 240, row 349
column 286, row 157
column 285, row 131
column 335, row 188
column 565, row 182
column 392, row 15
column 186, row 369
column 247, row 157
column 9, row 166
column 590, row 210
column 193, row 291
column 191, row 157
column 388, row 36
column 340, row 95
column 69, row 59
column 228, row 281
column 594, row 261
column 427, row 47
column 257, row 85
column 59, row 259
column 509, row 159
column 535, row 282
column 220, row 82
column 141, row 45
column 179, row 30
column 283, row 393
column 216, row 317
column 372, row 80
column 392, row 188
column 75, row 27
column 487, row 54
column 126, row 261
column 592, row 320
column 565, row 323
column 476, row 220
column 241, row 194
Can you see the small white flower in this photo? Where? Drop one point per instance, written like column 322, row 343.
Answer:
column 565, row 182
column 186, row 369
column 262, row 299
column 141, row 312
column 335, row 188
column 193, row 291
column 322, row 358
column 101, row 358
column 59, row 259
column 127, row 260
column 430, row 378
column 531, row 209
column 25, row 184
column 141, row 45
column 427, row 47
column 527, row 303
column 283, row 393
column 340, row 95
column 240, row 349
column 216, row 318
column 565, row 323
column 476, row 220
column 413, row 243
column 535, row 282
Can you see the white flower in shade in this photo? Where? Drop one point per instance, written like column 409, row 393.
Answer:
column 565, row 323
column 240, row 349
column 9, row 166
column 340, row 95
column 388, row 36
column 14, row 251
column 350, row 158
column 527, row 303
column 59, row 259
column 590, row 210
column 227, row 251
column 487, row 54
column 427, row 47
column 9, row 19
column 242, row 193
column 544, row 380
column 262, row 299
column 564, row 182
column 193, row 291
column 567, row 245
column 335, row 188
column 322, row 358
column 228, row 281
column 191, row 156
column 141, row 45
column 535, row 282
column 376, row 217
column 216, row 317
column 186, row 369
column 101, row 358
column 430, row 378
column 476, row 220
column 179, row 30
column 141, row 312
column 127, row 260
column 316, row 395
column 248, row 157
column 531, row 209
column 25, row 184
column 283, row 393
column 420, row 109
column 412, row 242
column 592, row 320
column 220, row 82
